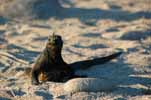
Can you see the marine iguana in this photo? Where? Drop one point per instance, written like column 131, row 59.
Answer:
column 50, row 65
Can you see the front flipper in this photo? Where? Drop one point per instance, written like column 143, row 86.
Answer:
column 34, row 77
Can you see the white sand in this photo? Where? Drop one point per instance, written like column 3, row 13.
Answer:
column 96, row 28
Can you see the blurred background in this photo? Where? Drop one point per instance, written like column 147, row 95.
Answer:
column 90, row 29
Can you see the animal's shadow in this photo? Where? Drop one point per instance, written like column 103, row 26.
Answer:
column 122, row 73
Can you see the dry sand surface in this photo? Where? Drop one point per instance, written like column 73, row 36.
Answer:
column 90, row 29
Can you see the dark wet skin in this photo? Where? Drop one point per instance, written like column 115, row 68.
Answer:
column 51, row 64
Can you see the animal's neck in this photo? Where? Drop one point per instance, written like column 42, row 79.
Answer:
column 54, row 55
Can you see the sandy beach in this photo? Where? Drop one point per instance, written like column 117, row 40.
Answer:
column 90, row 29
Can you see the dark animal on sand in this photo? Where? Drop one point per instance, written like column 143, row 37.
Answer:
column 50, row 65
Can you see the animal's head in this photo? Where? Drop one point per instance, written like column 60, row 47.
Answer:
column 55, row 41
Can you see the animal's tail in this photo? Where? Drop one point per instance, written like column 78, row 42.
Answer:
column 88, row 63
